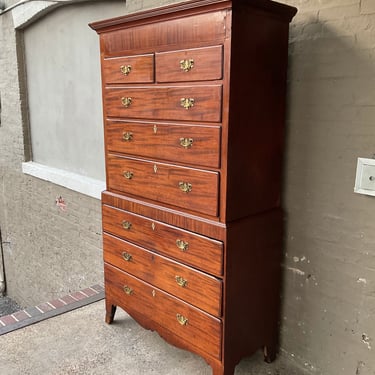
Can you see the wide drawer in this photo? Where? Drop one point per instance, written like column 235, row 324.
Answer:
column 189, row 103
column 129, row 69
column 197, row 64
column 188, row 188
column 187, row 247
column 195, row 287
column 191, row 144
column 194, row 326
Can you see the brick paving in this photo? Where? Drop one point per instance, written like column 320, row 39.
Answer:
column 12, row 317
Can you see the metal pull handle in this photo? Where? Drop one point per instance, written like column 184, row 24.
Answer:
column 126, row 101
column 126, row 225
column 129, row 291
column 182, row 320
column 182, row 245
column 125, row 69
column 128, row 175
column 186, row 142
column 127, row 136
column 128, row 257
column 187, row 102
column 186, row 187
column 181, row 281
column 186, row 65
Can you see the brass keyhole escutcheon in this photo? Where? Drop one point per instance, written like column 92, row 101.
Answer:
column 187, row 64
column 125, row 69
column 187, row 103
column 126, row 101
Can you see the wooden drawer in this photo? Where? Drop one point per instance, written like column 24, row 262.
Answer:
column 195, row 327
column 197, row 64
column 165, row 102
column 191, row 144
column 195, row 287
column 129, row 69
column 184, row 246
column 193, row 189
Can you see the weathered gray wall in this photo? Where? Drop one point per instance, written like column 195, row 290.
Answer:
column 329, row 268
column 329, row 296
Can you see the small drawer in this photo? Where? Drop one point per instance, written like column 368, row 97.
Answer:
column 191, row 144
column 129, row 69
column 175, row 278
column 195, row 327
column 188, row 188
column 197, row 64
column 184, row 246
column 189, row 103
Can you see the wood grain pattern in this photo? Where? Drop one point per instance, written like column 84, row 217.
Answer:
column 156, row 140
column 141, row 69
column 161, row 183
column 203, row 253
column 199, row 289
column 201, row 330
column 164, row 102
column 207, row 65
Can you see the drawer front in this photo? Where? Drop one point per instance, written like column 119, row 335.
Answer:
column 198, row 64
column 129, row 69
column 189, row 103
column 194, row 326
column 191, row 144
column 194, row 287
column 186, row 247
column 188, row 188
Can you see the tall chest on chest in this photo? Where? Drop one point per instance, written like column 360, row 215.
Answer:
column 194, row 106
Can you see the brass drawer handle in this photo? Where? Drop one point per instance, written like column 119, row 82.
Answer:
column 126, row 225
column 187, row 64
column 187, row 102
column 181, row 319
column 182, row 245
column 129, row 291
column 185, row 186
column 125, row 69
column 128, row 175
column 125, row 101
column 128, row 257
column 186, row 142
column 127, row 136
column 181, row 281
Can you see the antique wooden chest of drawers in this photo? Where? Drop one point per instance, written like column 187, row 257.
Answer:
column 194, row 107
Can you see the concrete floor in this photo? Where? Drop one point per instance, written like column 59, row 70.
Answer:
column 79, row 342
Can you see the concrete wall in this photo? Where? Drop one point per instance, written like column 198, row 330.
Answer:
column 329, row 296
column 329, row 268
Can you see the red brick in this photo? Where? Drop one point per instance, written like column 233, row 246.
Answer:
column 45, row 307
column 89, row 292
column 8, row 319
column 57, row 303
column 20, row 315
column 78, row 296
column 68, row 299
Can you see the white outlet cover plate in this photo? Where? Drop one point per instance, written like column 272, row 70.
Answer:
column 365, row 177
